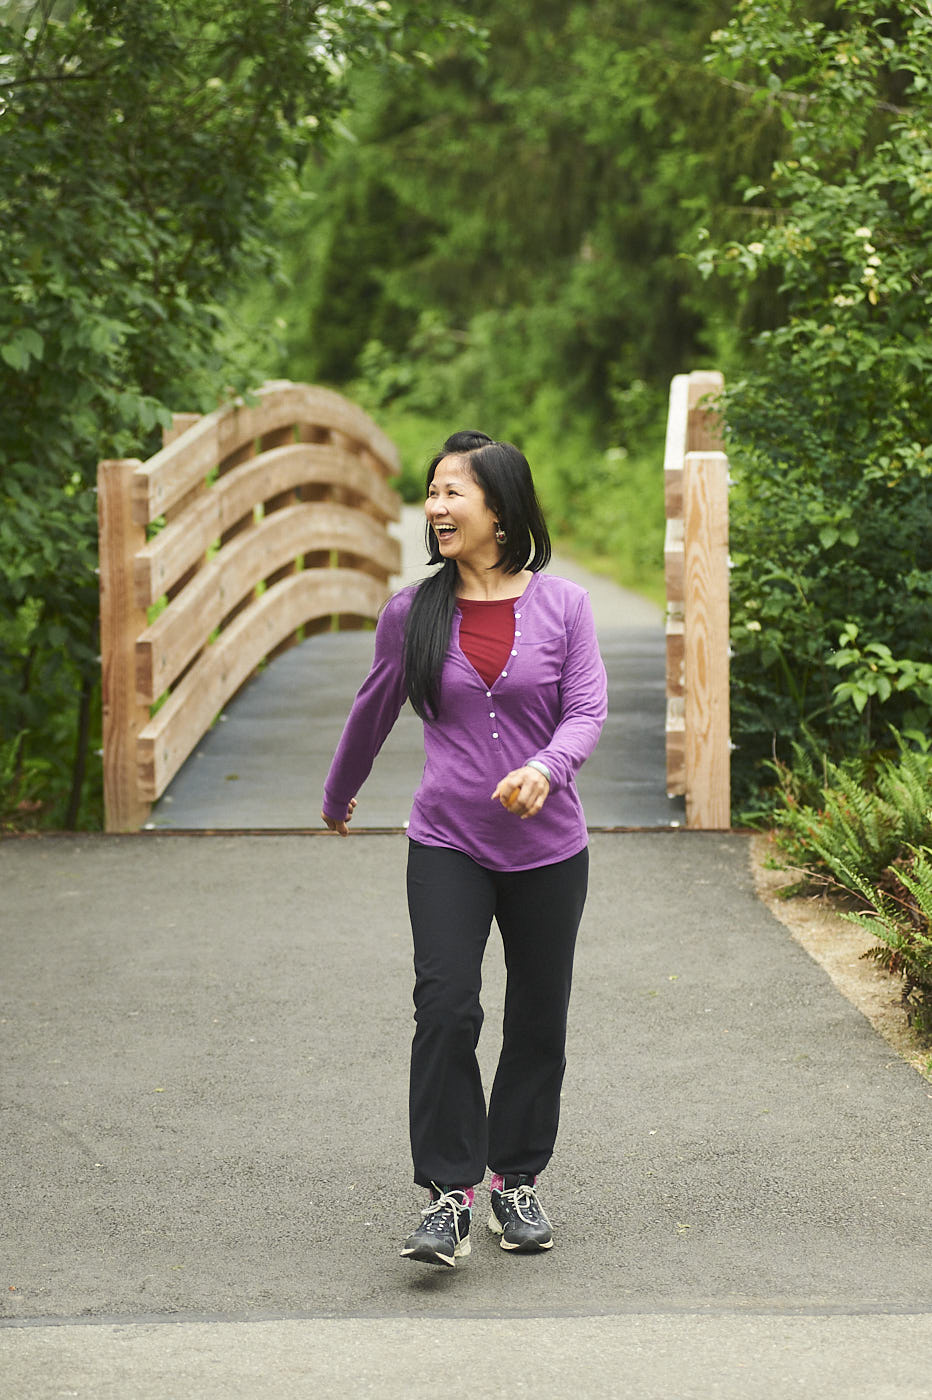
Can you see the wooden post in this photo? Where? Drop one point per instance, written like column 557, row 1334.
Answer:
column 121, row 622
column 708, row 750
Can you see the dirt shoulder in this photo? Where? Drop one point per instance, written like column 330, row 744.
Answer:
column 838, row 946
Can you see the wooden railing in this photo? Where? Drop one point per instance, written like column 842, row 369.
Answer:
column 696, row 568
column 252, row 528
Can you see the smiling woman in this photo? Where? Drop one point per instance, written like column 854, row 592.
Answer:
column 501, row 663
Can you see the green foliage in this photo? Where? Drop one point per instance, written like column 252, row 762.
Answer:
column 829, row 434
column 868, row 832
column 902, row 919
column 874, row 675
column 143, row 147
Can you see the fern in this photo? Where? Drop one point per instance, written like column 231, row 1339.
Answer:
column 903, row 922
column 858, row 828
column 907, row 786
column 871, row 836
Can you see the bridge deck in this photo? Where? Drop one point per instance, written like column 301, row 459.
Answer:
column 262, row 766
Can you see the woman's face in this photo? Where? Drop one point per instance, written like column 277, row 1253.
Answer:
column 459, row 516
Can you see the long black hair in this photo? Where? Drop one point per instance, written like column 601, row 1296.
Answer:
column 505, row 478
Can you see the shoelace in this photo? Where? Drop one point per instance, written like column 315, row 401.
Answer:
column 524, row 1199
column 447, row 1201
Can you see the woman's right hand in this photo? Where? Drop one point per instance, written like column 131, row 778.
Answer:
column 523, row 791
column 340, row 827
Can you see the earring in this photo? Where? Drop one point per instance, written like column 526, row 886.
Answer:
column 500, row 536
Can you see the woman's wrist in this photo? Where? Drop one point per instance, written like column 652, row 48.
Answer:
column 540, row 767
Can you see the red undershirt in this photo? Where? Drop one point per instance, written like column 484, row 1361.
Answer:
column 487, row 634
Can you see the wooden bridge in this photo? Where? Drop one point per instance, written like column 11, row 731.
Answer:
column 275, row 522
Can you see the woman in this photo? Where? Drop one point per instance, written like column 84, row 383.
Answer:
column 501, row 663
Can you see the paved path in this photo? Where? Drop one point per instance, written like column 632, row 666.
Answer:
column 262, row 767
column 203, row 1090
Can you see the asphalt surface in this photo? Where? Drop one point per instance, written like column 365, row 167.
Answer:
column 204, row 1103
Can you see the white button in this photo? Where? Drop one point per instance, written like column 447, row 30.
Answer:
column 518, row 615
column 489, row 694
column 514, row 653
column 494, row 736
column 491, row 714
column 517, row 634
column 504, row 674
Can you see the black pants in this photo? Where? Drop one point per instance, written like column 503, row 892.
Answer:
column 452, row 902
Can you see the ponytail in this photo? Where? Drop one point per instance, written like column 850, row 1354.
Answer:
column 427, row 639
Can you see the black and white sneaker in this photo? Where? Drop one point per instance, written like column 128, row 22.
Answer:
column 518, row 1216
column 443, row 1235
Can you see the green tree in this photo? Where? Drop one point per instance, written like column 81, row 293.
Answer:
column 830, row 432
column 143, row 144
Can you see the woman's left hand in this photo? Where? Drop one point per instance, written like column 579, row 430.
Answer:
column 523, row 791
column 341, row 827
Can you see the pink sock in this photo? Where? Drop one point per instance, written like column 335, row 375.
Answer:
column 498, row 1182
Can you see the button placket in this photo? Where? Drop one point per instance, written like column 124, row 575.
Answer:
column 492, row 713
column 503, row 676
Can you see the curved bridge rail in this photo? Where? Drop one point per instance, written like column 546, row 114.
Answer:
column 253, row 527
column 696, row 570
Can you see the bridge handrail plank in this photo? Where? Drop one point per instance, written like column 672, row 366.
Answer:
column 176, row 728
column 168, row 476
column 675, row 447
column 168, row 644
column 170, row 553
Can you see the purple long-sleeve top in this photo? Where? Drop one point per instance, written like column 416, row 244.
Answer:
column 549, row 703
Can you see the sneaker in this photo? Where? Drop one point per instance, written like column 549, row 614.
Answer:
column 443, row 1235
column 518, row 1216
